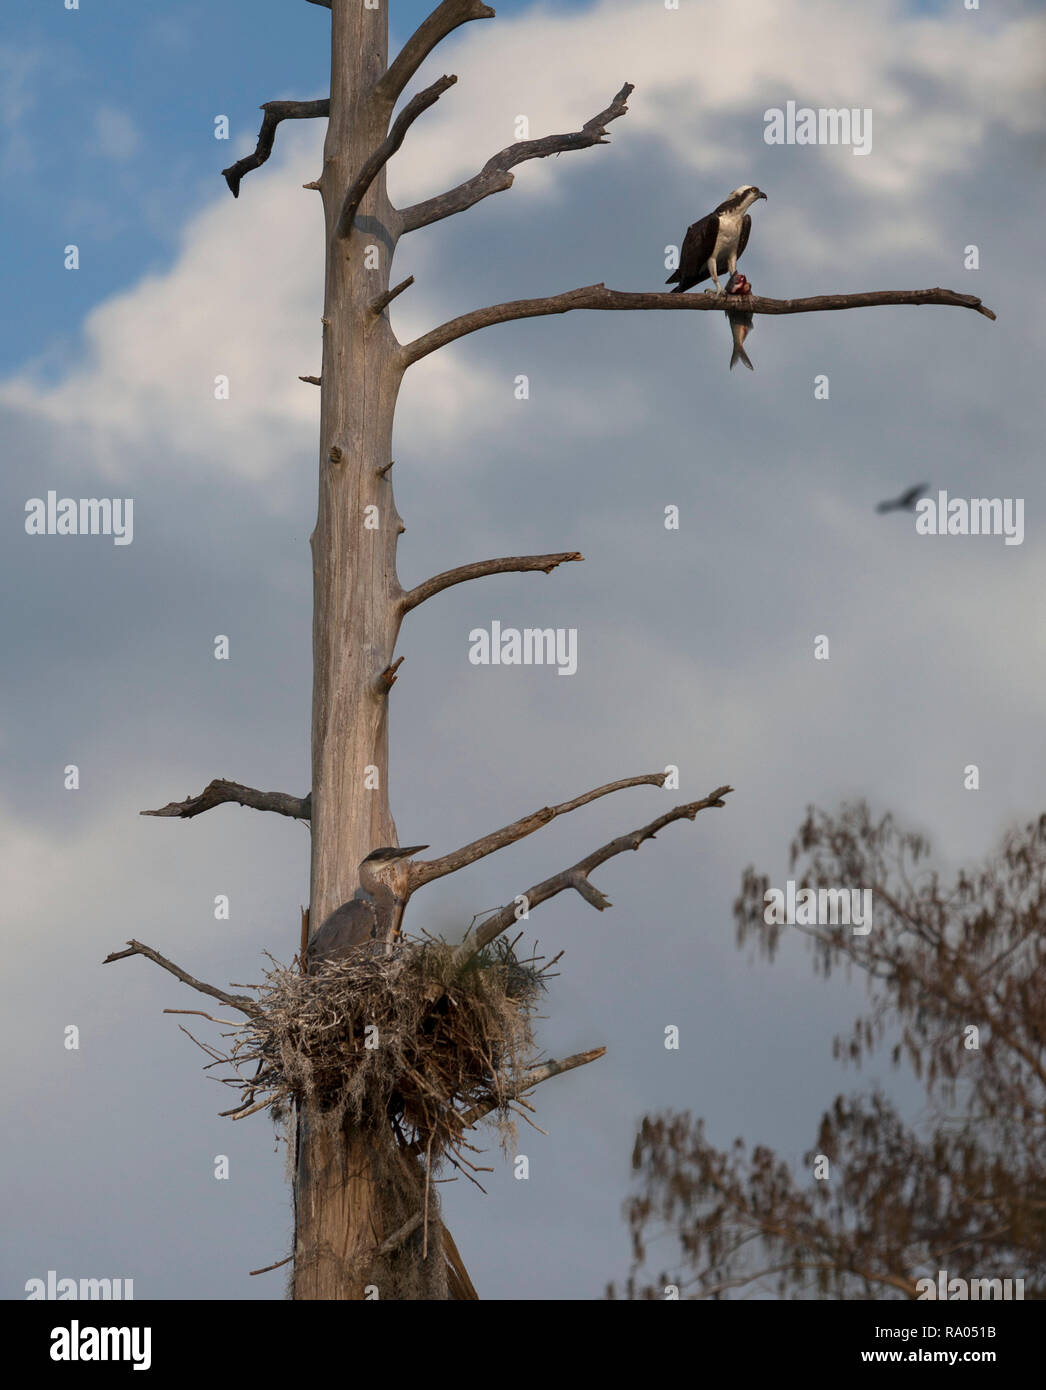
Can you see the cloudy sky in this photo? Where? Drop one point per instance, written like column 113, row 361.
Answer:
column 696, row 646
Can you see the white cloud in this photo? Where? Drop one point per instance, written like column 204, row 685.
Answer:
column 115, row 134
column 18, row 68
column 559, row 69
column 243, row 297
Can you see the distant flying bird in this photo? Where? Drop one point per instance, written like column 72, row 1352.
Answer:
column 740, row 323
column 714, row 245
column 374, row 912
column 907, row 500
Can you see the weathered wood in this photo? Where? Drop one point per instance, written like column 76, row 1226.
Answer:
column 242, row 1002
column 423, row 871
column 275, row 112
column 479, row 569
column 576, row 876
column 599, row 297
column 356, row 615
column 382, row 301
column 220, row 792
column 541, row 1071
column 388, row 147
column 432, row 30
column 495, row 176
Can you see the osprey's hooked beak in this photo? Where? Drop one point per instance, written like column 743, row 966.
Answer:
column 762, row 195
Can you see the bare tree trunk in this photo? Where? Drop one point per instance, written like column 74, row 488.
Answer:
column 355, row 621
column 365, row 1220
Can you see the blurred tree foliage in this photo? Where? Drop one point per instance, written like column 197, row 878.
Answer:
column 956, row 985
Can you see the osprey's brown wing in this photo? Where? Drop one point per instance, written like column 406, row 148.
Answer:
column 698, row 245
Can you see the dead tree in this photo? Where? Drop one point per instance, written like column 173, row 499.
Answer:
column 341, row 1242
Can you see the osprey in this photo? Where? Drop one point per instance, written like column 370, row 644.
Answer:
column 713, row 246
column 373, row 914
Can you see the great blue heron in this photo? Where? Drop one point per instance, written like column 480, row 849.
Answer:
column 374, row 912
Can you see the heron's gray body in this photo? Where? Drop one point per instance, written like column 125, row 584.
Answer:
column 355, row 923
column 373, row 914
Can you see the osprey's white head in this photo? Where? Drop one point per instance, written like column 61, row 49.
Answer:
column 743, row 197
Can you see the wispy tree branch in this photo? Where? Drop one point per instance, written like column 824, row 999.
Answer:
column 275, row 112
column 495, row 175
column 599, row 297
column 576, row 876
column 242, row 1002
column 479, row 569
column 219, row 791
column 424, row 871
column 387, row 149
column 443, row 20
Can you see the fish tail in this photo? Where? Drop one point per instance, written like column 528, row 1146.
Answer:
column 739, row 355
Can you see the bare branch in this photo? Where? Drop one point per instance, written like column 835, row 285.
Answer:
column 576, row 876
column 388, row 677
column 384, row 300
column 253, row 1110
column 219, row 791
column 534, row 1077
column 480, row 568
column 397, row 1238
column 425, row 870
column 443, row 20
column 265, row 1268
column 235, row 1001
column 326, row 5
column 387, row 148
column 312, row 380
column 275, row 112
column 494, row 177
column 230, row 1022
column 599, row 297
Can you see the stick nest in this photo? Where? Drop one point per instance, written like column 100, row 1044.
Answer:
column 410, row 1040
